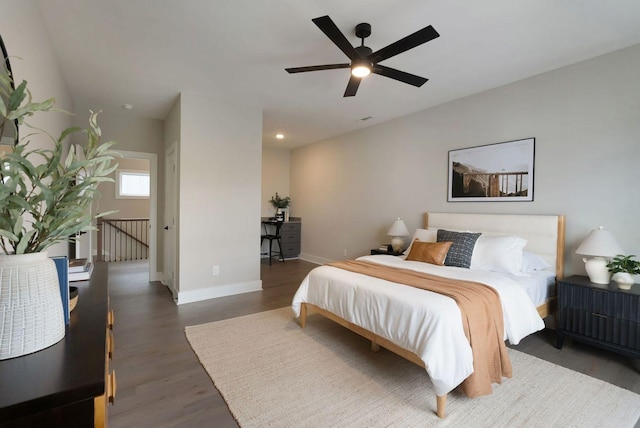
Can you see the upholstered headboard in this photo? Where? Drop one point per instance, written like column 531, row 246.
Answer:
column 544, row 233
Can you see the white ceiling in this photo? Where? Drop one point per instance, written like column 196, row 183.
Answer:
column 145, row 52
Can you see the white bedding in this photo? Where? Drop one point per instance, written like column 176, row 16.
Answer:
column 539, row 285
column 425, row 323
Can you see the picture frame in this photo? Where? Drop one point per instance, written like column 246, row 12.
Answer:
column 499, row 172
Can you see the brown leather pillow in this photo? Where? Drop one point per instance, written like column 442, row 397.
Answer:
column 429, row 252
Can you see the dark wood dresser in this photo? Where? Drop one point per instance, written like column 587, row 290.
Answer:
column 291, row 232
column 599, row 314
column 69, row 383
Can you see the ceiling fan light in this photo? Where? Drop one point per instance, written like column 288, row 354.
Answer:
column 361, row 70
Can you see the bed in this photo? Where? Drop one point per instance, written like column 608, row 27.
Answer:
column 424, row 327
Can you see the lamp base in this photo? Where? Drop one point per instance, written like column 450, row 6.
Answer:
column 597, row 270
column 397, row 244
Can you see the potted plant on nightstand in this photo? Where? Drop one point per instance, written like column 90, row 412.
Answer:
column 280, row 204
column 45, row 197
column 623, row 268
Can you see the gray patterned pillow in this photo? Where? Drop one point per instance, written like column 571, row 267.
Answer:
column 462, row 249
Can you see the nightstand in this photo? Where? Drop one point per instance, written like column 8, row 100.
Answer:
column 375, row 251
column 599, row 314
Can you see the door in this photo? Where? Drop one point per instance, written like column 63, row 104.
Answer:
column 170, row 209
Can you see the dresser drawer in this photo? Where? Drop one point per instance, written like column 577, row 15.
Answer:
column 290, row 227
column 290, row 237
column 291, row 249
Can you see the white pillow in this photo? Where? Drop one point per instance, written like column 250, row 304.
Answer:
column 424, row 235
column 498, row 254
column 532, row 262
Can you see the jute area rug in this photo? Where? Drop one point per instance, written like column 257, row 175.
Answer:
column 272, row 373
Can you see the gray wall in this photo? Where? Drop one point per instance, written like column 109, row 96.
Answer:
column 585, row 119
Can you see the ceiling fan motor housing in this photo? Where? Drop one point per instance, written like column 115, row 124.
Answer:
column 363, row 51
column 363, row 30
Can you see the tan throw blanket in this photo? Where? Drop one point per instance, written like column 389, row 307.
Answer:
column 481, row 318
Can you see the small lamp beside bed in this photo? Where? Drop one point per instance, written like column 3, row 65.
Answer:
column 397, row 232
column 601, row 245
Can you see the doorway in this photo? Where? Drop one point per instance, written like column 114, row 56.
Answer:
column 152, row 162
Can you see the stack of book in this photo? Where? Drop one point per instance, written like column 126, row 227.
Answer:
column 80, row 269
column 62, row 266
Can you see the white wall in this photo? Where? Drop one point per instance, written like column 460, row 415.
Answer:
column 584, row 117
column 32, row 59
column 275, row 178
column 219, row 182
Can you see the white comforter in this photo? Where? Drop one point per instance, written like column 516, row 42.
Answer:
column 420, row 321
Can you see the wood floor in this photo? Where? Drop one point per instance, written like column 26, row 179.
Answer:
column 162, row 384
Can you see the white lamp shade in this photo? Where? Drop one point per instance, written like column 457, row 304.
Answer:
column 398, row 228
column 600, row 243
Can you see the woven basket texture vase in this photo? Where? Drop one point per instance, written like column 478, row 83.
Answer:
column 31, row 317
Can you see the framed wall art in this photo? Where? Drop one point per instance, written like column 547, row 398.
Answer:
column 495, row 172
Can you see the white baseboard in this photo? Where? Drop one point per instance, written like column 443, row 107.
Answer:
column 315, row 259
column 218, row 291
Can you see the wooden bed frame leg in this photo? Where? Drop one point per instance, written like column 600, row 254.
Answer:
column 441, row 403
column 374, row 346
column 303, row 315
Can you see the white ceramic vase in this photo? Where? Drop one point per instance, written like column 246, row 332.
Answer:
column 624, row 280
column 31, row 316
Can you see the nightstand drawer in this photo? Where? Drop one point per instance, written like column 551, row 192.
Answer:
column 599, row 314
column 601, row 327
column 609, row 303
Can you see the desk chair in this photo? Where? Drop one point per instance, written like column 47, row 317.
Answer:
column 277, row 224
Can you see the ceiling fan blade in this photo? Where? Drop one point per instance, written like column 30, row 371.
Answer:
column 404, row 44
column 331, row 30
column 317, row 68
column 402, row 76
column 352, row 86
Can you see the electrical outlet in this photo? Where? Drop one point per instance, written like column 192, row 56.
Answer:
column 216, row 270
column 344, row 252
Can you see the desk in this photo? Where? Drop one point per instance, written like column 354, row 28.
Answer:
column 290, row 232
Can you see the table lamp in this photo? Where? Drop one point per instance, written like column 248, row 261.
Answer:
column 397, row 231
column 601, row 245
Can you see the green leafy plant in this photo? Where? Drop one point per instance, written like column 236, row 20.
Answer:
column 45, row 195
column 278, row 202
column 621, row 263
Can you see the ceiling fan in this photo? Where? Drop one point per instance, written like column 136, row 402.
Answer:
column 363, row 60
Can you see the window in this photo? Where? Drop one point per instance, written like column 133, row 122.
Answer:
column 132, row 184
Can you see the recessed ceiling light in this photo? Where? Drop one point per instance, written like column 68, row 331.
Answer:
column 127, row 106
column 279, row 136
